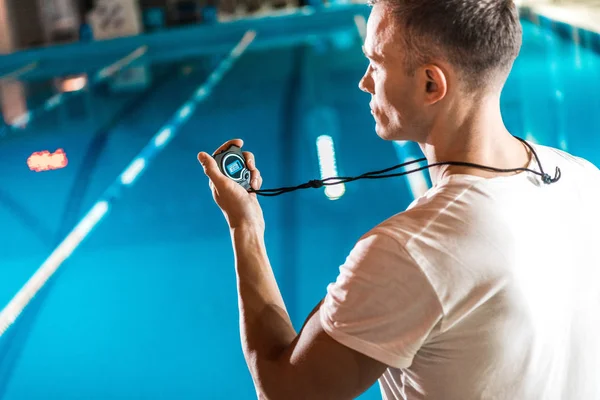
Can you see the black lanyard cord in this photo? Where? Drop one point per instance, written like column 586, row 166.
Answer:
column 546, row 178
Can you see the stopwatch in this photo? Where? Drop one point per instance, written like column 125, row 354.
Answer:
column 232, row 164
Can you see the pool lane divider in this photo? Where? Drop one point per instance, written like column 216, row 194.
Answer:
column 18, row 73
column 24, row 119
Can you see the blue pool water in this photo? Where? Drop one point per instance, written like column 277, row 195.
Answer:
column 146, row 307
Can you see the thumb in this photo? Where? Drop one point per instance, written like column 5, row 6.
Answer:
column 211, row 169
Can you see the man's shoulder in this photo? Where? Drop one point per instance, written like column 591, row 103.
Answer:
column 426, row 212
column 569, row 158
column 579, row 171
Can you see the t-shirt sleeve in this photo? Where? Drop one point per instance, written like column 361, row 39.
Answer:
column 381, row 303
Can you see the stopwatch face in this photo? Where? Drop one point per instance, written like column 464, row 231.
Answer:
column 234, row 167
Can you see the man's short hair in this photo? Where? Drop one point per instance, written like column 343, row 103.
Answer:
column 482, row 38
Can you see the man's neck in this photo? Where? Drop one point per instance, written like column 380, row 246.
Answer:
column 476, row 135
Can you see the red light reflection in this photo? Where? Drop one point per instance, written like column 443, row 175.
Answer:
column 46, row 161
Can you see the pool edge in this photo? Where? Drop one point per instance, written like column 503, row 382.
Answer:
column 579, row 35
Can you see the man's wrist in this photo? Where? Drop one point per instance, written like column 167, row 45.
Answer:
column 247, row 229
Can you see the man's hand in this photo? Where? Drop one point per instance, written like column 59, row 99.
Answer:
column 239, row 207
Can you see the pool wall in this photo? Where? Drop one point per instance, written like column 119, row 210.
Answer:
column 580, row 36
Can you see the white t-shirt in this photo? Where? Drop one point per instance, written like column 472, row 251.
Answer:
column 482, row 289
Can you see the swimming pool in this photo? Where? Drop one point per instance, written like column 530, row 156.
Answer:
column 146, row 306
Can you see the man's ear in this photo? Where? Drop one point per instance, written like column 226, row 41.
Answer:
column 435, row 83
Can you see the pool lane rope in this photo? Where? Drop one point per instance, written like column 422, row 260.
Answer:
column 15, row 307
column 24, row 119
column 18, row 73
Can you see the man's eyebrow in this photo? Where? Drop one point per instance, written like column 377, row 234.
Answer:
column 370, row 55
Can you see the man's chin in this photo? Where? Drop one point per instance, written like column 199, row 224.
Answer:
column 386, row 134
column 397, row 134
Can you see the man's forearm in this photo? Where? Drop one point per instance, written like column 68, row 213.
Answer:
column 265, row 327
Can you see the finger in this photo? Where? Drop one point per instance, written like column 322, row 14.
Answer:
column 236, row 142
column 256, row 179
column 256, row 184
column 211, row 169
column 250, row 160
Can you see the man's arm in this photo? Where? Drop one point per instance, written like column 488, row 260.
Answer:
column 283, row 364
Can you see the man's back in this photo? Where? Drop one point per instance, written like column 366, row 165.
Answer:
column 509, row 305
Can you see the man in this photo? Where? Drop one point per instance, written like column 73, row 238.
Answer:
column 487, row 287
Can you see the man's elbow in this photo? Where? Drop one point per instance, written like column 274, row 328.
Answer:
column 292, row 388
column 269, row 379
column 280, row 393
column 277, row 385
